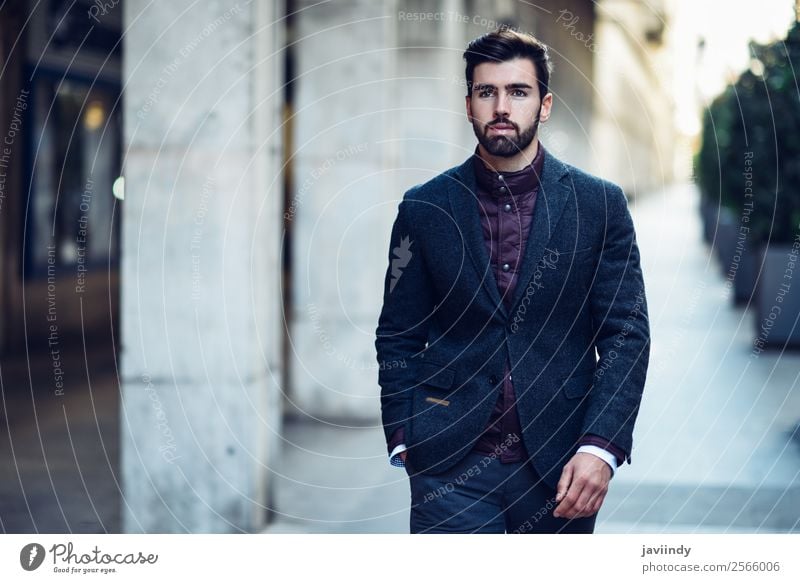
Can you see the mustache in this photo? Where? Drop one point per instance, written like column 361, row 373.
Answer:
column 502, row 121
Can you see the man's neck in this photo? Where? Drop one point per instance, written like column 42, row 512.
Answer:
column 513, row 163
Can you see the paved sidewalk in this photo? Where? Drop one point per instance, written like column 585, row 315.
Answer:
column 715, row 448
column 59, row 455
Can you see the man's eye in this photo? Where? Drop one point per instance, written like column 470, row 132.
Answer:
column 485, row 93
column 519, row 93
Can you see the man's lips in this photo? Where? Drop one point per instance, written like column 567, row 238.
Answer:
column 502, row 127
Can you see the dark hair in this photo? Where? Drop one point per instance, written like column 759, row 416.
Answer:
column 506, row 44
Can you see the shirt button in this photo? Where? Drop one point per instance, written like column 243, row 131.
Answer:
column 506, row 267
column 502, row 190
column 499, row 176
column 507, row 207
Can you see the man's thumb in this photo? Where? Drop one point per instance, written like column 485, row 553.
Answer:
column 564, row 482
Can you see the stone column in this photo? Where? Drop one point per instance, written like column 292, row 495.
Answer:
column 200, row 407
column 380, row 107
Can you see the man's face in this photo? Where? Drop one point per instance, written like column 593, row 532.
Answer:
column 505, row 107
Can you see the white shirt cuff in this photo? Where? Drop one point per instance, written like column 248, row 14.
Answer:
column 603, row 454
column 395, row 459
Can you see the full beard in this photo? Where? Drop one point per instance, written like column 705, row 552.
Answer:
column 505, row 146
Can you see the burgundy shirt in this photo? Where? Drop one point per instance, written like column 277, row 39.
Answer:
column 505, row 203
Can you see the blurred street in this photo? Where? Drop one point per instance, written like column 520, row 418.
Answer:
column 194, row 248
column 716, row 445
column 59, row 457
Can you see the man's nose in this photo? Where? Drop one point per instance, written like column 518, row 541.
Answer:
column 501, row 106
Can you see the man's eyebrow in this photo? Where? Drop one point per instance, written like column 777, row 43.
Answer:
column 479, row 86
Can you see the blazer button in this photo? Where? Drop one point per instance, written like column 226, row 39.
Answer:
column 493, row 380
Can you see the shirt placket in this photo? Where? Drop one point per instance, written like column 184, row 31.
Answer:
column 502, row 192
column 503, row 266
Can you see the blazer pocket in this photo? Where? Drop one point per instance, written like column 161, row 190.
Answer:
column 577, row 385
column 432, row 374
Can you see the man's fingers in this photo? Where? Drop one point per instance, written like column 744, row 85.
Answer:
column 596, row 503
column 402, row 455
column 562, row 488
column 599, row 504
column 566, row 508
column 595, row 493
column 580, row 499
column 600, row 489
column 582, row 487
column 564, row 482
column 588, row 494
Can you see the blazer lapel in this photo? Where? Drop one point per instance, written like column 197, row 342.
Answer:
column 463, row 195
column 550, row 202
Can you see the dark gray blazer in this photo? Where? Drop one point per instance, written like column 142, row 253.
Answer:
column 577, row 333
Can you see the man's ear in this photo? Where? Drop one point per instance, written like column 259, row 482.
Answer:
column 468, row 105
column 546, row 107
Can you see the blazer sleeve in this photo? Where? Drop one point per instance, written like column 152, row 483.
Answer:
column 403, row 324
column 622, row 332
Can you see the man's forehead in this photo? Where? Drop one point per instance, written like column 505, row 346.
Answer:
column 513, row 71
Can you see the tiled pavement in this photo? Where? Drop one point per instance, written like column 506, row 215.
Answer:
column 59, row 454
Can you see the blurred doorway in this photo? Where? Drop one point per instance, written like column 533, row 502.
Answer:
column 59, row 254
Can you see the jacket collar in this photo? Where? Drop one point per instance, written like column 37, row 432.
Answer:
column 551, row 200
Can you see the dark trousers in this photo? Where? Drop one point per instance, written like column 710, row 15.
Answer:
column 482, row 495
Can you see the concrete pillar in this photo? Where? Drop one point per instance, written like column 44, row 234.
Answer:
column 567, row 28
column 200, row 407
column 380, row 107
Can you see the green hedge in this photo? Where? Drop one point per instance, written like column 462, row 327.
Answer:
column 754, row 125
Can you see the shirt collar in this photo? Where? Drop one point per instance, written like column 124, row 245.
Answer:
column 518, row 183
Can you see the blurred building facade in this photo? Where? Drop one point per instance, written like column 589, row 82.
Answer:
column 633, row 126
column 382, row 108
column 264, row 148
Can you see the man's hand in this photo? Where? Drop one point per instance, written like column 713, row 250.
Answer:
column 402, row 455
column 582, row 487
